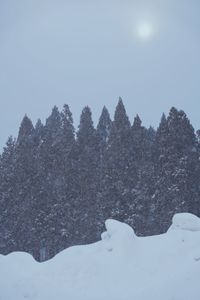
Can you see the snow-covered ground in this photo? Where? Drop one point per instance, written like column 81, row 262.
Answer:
column 121, row 266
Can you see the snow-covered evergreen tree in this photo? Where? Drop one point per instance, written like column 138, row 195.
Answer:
column 87, row 157
column 142, row 212
column 117, row 184
column 103, row 128
column 7, row 200
column 176, row 165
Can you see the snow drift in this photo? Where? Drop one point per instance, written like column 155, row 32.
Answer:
column 121, row 266
column 185, row 221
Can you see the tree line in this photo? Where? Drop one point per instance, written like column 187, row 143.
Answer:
column 57, row 187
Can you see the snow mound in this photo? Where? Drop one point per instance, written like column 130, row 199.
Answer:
column 121, row 266
column 185, row 221
column 118, row 236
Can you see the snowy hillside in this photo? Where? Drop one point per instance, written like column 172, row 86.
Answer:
column 121, row 266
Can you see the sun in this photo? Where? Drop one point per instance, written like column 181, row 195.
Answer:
column 144, row 30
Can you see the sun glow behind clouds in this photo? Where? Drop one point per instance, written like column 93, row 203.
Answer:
column 145, row 30
column 147, row 21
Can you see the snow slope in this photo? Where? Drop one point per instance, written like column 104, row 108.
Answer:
column 121, row 266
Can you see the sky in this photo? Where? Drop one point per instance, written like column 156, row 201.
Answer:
column 91, row 52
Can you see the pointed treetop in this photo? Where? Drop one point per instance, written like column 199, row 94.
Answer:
column 86, row 118
column 39, row 131
column 178, row 117
column 121, row 119
column 38, row 125
column 67, row 124
column 173, row 110
column 8, row 150
column 66, row 114
column 55, row 112
column 180, row 127
column 137, row 122
column 54, row 117
column 86, row 129
column 26, row 128
column 104, row 120
column 163, row 118
column 120, row 100
column 120, row 105
column 104, row 125
column 105, row 112
column 173, row 114
column 163, row 124
column 53, row 122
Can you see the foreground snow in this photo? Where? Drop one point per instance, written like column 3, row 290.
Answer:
column 120, row 267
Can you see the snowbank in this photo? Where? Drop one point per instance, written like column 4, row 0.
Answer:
column 185, row 221
column 119, row 267
column 118, row 236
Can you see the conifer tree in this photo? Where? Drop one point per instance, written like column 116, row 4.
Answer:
column 7, row 200
column 65, row 211
column 25, row 173
column 50, row 184
column 142, row 172
column 39, row 133
column 87, row 175
column 103, row 128
column 176, row 187
column 117, row 163
column 103, row 133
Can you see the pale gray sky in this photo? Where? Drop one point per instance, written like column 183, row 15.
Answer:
column 89, row 53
